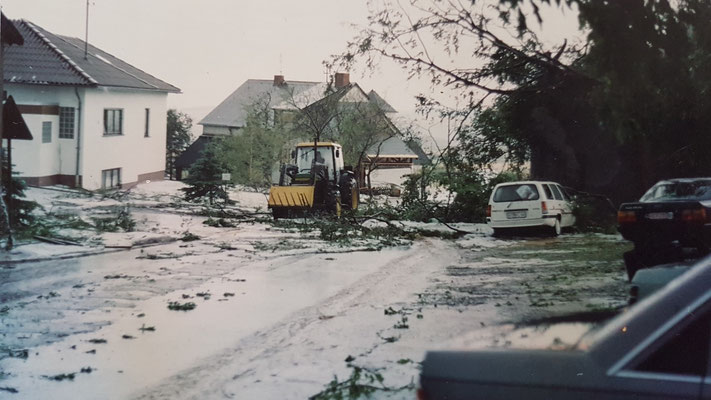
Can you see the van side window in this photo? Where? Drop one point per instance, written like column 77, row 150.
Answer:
column 547, row 189
column 556, row 193
column 564, row 193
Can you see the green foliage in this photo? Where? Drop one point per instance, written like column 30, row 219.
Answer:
column 626, row 107
column 177, row 306
column 360, row 384
column 473, row 192
column 178, row 138
column 19, row 209
column 594, row 214
column 252, row 154
column 189, row 237
column 205, row 178
column 121, row 221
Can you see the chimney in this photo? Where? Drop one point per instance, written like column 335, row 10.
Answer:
column 342, row 79
column 279, row 80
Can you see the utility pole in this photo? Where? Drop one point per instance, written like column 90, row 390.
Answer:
column 86, row 32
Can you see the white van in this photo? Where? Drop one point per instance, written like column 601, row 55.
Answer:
column 529, row 204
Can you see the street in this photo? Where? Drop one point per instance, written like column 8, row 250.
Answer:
column 282, row 323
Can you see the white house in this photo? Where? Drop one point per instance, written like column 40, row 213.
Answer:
column 97, row 122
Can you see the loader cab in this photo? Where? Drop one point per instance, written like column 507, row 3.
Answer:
column 327, row 154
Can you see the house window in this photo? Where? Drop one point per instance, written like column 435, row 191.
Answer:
column 113, row 122
column 66, row 122
column 47, row 132
column 111, row 178
column 148, row 119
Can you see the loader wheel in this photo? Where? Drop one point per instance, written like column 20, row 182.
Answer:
column 279, row 213
column 349, row 194
column 333, row 204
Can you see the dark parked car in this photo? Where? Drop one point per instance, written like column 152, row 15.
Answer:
column 658, row 349
column 670, row 222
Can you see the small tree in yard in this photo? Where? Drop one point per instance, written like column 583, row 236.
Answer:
column 178, row 138
column 205, row 178
column 19, row 209
column 250, row 155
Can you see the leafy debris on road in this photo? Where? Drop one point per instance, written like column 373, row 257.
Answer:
column 362, row 383
column 97, row 341
column 9, row 389
column 60, row 377
column 176, row 306
column 22, row 353
column 145, row 328
column 189, row 237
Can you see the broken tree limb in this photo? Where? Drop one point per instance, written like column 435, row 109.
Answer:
column 57, row 241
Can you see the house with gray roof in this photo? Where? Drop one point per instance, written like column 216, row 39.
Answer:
column 97, row 122
column 287, row 99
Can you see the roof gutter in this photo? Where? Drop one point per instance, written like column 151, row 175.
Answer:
column 77, row 176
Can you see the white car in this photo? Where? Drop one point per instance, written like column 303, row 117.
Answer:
column 529, row 204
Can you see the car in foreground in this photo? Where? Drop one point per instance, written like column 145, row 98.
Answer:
column 529, row 204
column 658, row 349
column 671, row 222
column 649, row 280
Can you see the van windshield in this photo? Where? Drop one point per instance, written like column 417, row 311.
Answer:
column 520, row 192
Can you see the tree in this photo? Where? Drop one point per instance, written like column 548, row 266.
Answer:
column 613, row 114
column 205, row 178
column 252, row 153
column 178, row 138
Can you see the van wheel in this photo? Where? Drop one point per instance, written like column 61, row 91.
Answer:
column 556, row 230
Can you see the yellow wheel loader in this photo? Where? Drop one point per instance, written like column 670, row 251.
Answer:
column 316, row 182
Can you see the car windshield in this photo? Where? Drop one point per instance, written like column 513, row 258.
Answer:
column 686, row 190
column 516, row 193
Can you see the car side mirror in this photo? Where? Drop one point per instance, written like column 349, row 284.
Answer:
column 338, row 153
column 293, row 154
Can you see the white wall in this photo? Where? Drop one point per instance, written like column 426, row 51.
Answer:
column 131, row 151
column 389, row 176
column 214, row 130
column 34, row 158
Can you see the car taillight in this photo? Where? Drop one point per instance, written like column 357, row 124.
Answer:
column 694, row 215
column 488, row 211
column 544, row 208
column 624, row 217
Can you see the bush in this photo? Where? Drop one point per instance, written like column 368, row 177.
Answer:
column 594, row 213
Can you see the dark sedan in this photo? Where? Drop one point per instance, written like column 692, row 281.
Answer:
column 672, row 221
column 659, row 349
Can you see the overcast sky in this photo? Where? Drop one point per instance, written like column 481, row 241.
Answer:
column 208, row 48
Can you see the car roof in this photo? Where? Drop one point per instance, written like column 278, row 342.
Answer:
column 526, row 182
column 652, row 317
column 684, row 180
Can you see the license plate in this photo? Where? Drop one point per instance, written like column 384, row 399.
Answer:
column 515, row 214
column 660, row 215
